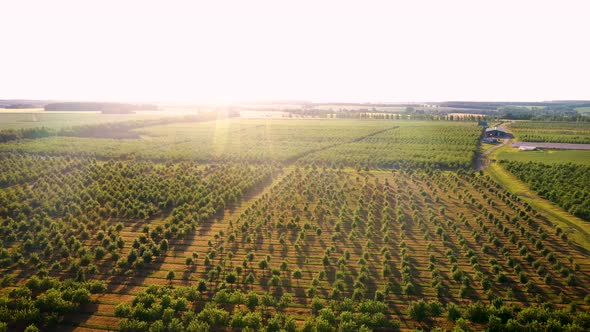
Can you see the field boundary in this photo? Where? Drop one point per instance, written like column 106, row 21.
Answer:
column 356, row 139
column 578, row 229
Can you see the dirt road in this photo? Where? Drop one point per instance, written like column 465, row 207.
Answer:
column 482, row 161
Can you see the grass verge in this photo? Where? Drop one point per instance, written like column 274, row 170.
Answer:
column 578, row 230
column 546, row 156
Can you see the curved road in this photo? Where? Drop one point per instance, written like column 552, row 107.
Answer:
column 482, row 161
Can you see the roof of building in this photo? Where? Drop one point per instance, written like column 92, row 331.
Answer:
column 495, row 129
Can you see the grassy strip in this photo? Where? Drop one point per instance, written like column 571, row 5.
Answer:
column 547, row 156
column 577, row 229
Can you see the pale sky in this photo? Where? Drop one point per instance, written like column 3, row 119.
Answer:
column 356, row 51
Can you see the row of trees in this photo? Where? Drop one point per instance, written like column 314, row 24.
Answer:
column 179, row 309
column 372, row 144
column 7, row 135
column 72, row 219
column 438, row 145
column 408, row 114
column 567, row 185
column 557, row 132
column 121, row 129
column 341, row 233
column 43, row 302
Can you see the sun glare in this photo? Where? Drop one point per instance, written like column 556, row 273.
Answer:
column 225, row 51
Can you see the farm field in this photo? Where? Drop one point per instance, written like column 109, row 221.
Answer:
column 312, row 225
column 546, row 156
column 547, row 131
column 412, row 144
column 553, row 146
column 383, row 144
column 567, row 185
column 11, row 119
column 261, row 166
column 557, row 175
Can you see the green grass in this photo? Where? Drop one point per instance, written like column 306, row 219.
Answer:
column 17, row 120
column 567, row 185
column 583, row 109
column 545, row 156
column 577, row 229
column 487, row 146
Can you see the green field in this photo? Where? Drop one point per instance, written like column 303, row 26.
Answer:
column 567, row 185
column 384, row 144
column 583, row 110
column 408, row 144
column 576, row 228
column 559, row 132
column 17, row 120
column 551, row 131
column 545, row 156
column 279, row 225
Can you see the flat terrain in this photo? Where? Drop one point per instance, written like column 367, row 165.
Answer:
column 288, row 223
column 584, row 110
column 17, row 119
column 558, row 146
column 533, row 167
column 546, row 156
column 551, row 131
column 552, row 151
column 386, row 144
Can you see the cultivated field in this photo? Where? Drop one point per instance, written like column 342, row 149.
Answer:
column 313, row 225
column 568, row 185
column 546, row 156
column 337, row 142
column 547, row 131
column 17, row 119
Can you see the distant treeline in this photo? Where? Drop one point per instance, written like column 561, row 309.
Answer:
column 569, row 104
column 536, row 111
column 473, row 111
column 22, row 103
column 408, row 114
column 100, row 107
column 554, row 113
column 124, row 129
column 364, row 105
column 14, row 134
column 20, row 106
column 104, row 130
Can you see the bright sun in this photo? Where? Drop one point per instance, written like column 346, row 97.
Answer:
column 321, row 51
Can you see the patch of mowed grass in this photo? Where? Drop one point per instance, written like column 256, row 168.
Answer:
column 546, row 156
